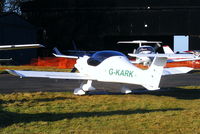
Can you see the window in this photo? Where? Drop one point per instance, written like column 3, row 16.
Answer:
column 145, row 50
column 100, row 56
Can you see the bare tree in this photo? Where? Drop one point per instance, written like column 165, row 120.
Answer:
column 1, row 6
column 12, row 5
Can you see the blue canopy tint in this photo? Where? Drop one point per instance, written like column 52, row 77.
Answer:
column 100, row 56
column 145, row 50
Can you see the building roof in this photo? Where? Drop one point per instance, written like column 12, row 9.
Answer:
column 13, row 19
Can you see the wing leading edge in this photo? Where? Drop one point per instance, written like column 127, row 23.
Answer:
column 54, row 75
column 163, row 55
column 23, row 46
column 79, row 76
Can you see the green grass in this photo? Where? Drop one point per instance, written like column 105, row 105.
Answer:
column 176, row 110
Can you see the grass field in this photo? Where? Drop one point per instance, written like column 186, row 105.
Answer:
column 176, row 110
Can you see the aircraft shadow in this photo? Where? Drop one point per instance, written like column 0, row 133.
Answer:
column 194, row 71
column 37, row 100
column 9, row 118
column 178, row 93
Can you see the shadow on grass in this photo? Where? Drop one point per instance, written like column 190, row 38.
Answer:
column 37, row 100
column 179, row 93
column 9, row 118
column 194, row 71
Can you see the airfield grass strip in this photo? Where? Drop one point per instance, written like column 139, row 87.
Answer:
column 175, row 110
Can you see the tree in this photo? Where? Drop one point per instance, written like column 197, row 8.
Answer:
column 12, row 5
column 1, row 6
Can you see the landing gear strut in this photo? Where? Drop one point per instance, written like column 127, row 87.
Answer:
column 84, row 88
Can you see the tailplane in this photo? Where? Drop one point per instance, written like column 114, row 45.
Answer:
column 167, row 50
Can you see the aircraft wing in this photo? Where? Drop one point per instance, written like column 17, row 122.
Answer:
column 57, row 53
column 65, row 56
column 178, row 60
column 138, row 42
column 53, row 75
column 23, row 46
column 163, row 55
column 6, row 59
column 176, row 70
column 171, row 57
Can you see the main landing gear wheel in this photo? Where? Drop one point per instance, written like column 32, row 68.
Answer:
column 79, row 91
column 84, row 88
column 126, row 90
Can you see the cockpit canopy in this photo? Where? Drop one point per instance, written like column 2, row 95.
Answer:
column 100, row 56
column 145, row 50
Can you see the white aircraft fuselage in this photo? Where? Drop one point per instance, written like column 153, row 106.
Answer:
column 113, row 69
column 109, row 66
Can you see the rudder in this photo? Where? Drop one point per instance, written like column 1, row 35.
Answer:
column 154, row 73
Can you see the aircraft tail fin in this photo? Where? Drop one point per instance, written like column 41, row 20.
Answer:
column 167, row 50
column 154, row 73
